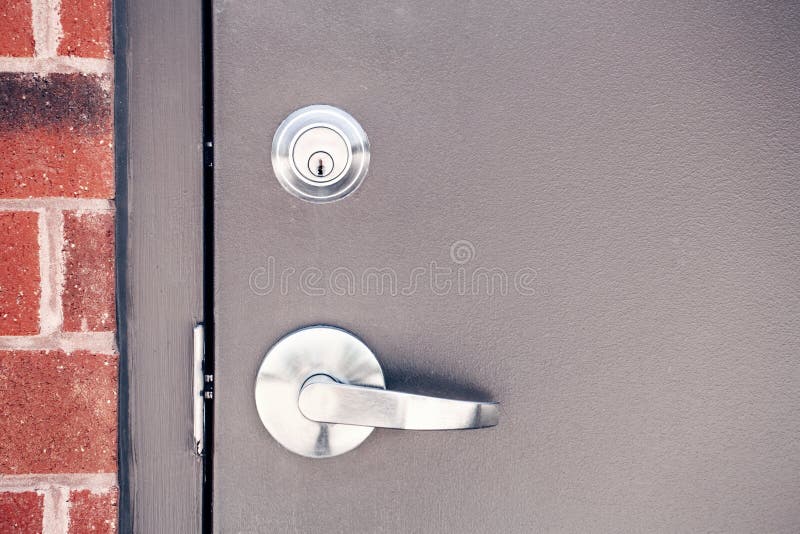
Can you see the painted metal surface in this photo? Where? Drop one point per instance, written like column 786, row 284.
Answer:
column 589, row 212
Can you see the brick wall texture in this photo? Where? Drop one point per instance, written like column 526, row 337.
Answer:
column 58, row 358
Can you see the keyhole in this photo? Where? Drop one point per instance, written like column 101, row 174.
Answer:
column 320, row 165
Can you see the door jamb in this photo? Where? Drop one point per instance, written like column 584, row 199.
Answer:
column 160, row 232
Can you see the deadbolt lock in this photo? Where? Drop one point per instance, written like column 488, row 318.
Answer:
column 320, row 153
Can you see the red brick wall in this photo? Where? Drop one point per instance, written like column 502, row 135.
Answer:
column 58, row 359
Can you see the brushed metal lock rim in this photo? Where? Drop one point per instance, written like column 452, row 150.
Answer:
column 291, row 174
column 310, row 351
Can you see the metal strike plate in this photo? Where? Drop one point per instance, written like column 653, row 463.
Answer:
column 320, row 153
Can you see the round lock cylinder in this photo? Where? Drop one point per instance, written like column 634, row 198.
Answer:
column 320, row 153
column 320, row 165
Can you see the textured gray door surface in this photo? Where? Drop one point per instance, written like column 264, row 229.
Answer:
column 589, row 212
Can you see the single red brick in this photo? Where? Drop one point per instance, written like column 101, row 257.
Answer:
column 19, row 273
column 92, row 512
column 88, row 296
column 55, row 136
column 21, row 512
column 55, row 164
column 87, row 28
column 16, row 29
column 58, row 412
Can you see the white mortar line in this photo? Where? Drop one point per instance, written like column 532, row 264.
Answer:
column 47, row 30
column 94, row 482
column 97, row 342
column 55, row 516
column 65, row 204
column 60, row 64
column 54, row 30
column 51, row 269
column 45, row 287
column 40, row 23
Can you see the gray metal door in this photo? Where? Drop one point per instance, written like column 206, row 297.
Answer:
column 587, row 212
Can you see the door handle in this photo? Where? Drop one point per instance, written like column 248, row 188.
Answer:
column 325, row 400
column 320, row 392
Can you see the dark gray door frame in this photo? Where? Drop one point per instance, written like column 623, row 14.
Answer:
column 159, row 128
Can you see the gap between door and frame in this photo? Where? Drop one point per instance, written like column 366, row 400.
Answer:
column 208, row 254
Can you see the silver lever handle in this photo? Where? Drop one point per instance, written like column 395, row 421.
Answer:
column 325, row 400
column 320, row 392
